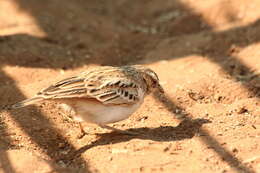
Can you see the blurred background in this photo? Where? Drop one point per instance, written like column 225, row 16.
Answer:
column 206, row 54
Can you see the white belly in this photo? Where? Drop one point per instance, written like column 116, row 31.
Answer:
column 102, row 114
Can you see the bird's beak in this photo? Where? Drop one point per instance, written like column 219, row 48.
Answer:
column 160, row 88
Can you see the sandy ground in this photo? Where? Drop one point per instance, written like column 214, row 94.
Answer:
column 206, row 54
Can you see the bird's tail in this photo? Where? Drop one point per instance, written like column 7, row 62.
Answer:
column 26, row 102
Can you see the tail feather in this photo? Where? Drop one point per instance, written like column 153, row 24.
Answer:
column 26, row 102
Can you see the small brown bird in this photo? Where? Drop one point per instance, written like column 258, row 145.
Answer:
column 102, row 95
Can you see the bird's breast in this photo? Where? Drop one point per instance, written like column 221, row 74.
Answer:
column 99, row 113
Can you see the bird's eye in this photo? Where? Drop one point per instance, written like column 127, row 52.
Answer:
column 154, row 82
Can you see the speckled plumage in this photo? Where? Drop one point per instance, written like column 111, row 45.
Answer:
column 102, row 95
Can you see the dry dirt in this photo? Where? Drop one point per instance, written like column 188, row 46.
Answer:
column 206, row 53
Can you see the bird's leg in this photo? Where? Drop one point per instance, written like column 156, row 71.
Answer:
column 82, row 131
column 117, row 130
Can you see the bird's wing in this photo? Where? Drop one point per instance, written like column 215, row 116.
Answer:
column 107, row 91
column 117, row 91
column 67, row 88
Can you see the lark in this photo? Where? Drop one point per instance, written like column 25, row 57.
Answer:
column 102, row 95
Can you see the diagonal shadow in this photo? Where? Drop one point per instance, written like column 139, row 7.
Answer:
column 238, row 36
column 205, row 136
column 236, row 69
column 42, row 131
column 5, row 141
column 5, row 163
column 229, row 43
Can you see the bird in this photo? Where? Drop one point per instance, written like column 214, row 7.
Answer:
column 102, row 95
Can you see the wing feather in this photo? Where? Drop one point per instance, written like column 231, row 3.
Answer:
column 66, row 88
column 107, row 91
column 109, row 85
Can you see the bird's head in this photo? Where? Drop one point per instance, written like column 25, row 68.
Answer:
column 151, row 79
